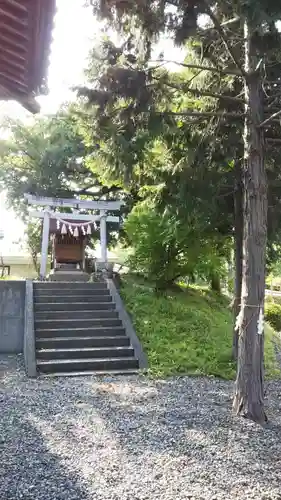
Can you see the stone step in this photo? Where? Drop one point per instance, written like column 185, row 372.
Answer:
column 75, row 323
column 78, row 365
column 67, row 266
column 83, row 332
column 65, row 285
column 73, row 306
column 66, row 292
column 72, row 298
column 85, row 341
column 84, row 314
column 74, row 276
column 85, row 352
column 93, row 373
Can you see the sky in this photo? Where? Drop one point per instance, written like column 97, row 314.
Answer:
column 75, row 32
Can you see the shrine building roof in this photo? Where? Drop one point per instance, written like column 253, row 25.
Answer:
column 25, row 38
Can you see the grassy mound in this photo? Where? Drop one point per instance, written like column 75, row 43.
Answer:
column 188, row 332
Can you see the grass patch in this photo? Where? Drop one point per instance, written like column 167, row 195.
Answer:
column 188, row 332
column 272, row 343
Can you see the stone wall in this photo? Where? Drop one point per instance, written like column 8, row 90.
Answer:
column 12, row 304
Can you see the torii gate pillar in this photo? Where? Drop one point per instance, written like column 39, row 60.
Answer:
column 45, row 245
column 103, row 238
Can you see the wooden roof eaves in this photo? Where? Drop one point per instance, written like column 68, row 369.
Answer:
column 27, row 101
column 17, row 5
column 15, row 20
column 42, row 36
column 25, row 49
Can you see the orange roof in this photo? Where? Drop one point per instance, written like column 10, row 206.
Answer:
column 25, row 36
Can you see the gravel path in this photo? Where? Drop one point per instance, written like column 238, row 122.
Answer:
column 132, row 439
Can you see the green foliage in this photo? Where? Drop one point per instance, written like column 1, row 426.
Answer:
column 275, row 267
column 45, row 157
column 182, row 21
column 158, row 253
column 33, row 242
column 274, row 283
column 137, row 104
column 273, row 299
column 271, row 346
column 49, row 157
column 188, row 332
column 166, row 248
column 273, row 315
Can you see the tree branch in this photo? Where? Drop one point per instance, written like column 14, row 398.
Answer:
column 203, row 93
column 273, row 102
column 231, row 21
column 102, row 189
column 204, row 68
column 271, row 110
column 225, row 24
column 273, row 96
column 205, row 114
column 86, row 188
column 273, row 140
column 262, row 124
column 223, row 36
column 234, row 20
column 272, row 82
column 108, row 190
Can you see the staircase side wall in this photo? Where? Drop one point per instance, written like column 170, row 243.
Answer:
column 12, row 307
column 128, row 325
column 29, row 348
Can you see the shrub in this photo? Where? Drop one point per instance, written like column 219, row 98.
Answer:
column 166, row 248
column 273, row 299
column 273, row 315
column 273, row 282
column 158, row 252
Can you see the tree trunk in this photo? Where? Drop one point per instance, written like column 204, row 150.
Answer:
column 35, row 262
column 249, row 389
column 215, row 283
column 238, row 242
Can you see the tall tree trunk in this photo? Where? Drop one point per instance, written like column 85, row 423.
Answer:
column 215, row 282
column 249, row 390
column 238, row 254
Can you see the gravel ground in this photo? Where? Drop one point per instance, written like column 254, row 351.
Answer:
column 132, row 439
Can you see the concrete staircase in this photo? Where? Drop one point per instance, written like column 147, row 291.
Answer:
column 78, row 330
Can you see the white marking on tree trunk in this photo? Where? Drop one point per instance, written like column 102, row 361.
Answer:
column 238, row 321
column 261, row 322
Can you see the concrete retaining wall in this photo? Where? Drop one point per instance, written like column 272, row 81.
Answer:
column 128, row 325
column 12, row 306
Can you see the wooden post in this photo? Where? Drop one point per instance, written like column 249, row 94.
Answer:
column 103, row 241
column 45, row 244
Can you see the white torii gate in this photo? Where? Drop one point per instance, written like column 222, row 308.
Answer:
column 47, row 214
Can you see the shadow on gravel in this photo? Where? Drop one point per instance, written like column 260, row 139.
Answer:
column 193, row 428
column 190, row 425
column 182, row 429
column 28, row 471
